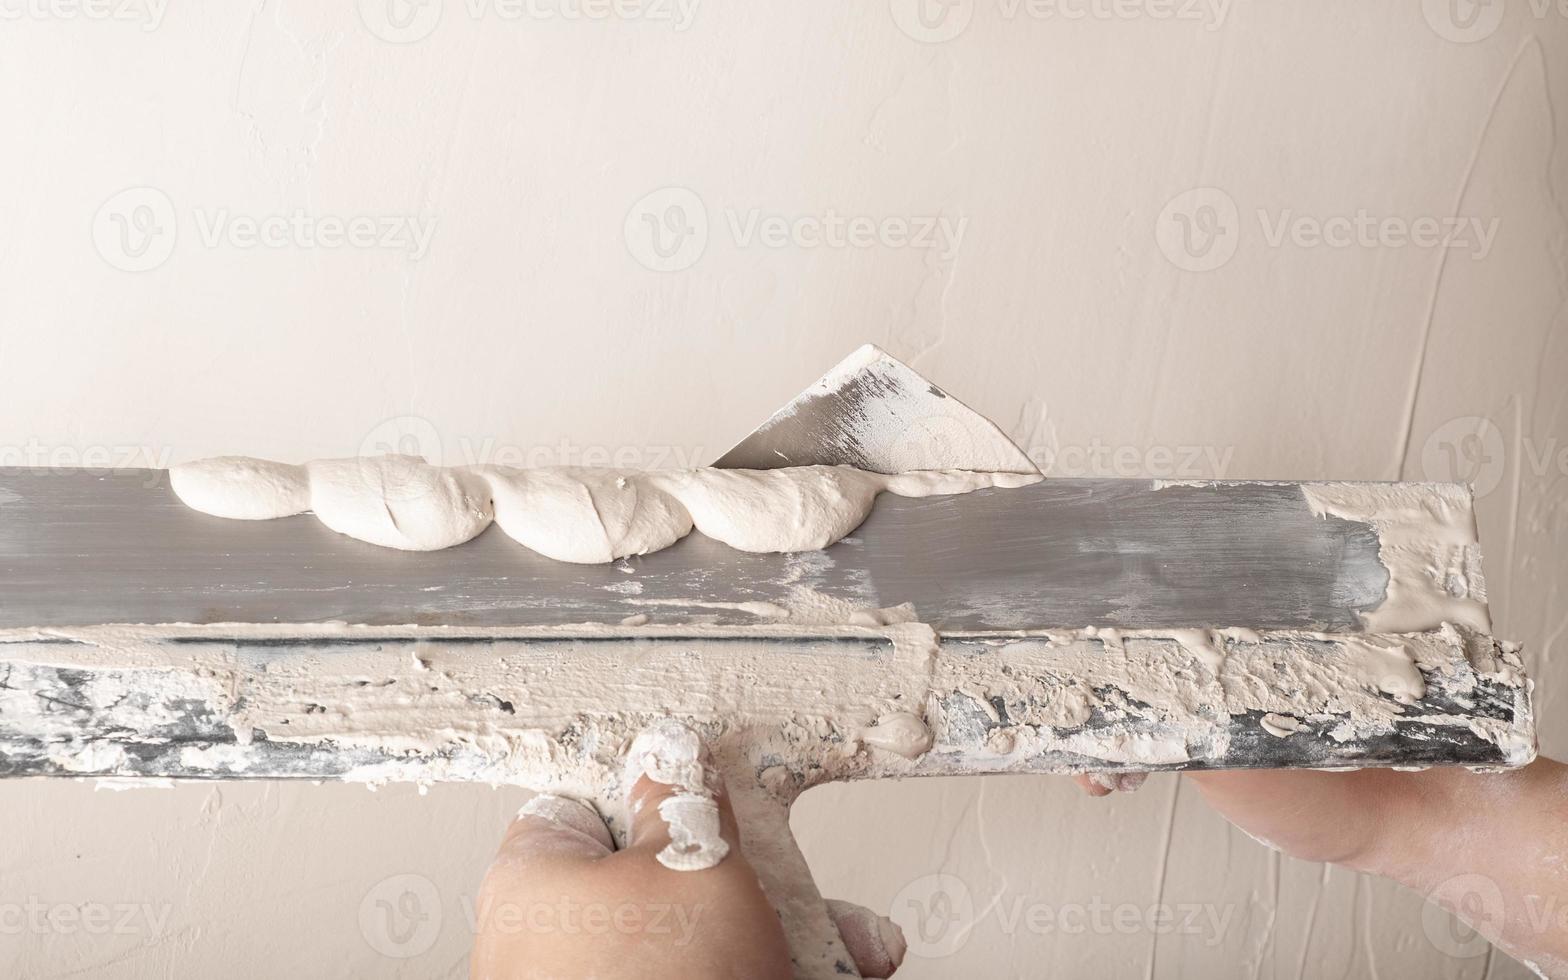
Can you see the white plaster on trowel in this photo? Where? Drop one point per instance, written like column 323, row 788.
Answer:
column 573, row 514
column 1172, row 699
column 437, row 715
column 1427, row 542
column 1280, row 726
column 242, row 489
column 803, row 606
column 900, row 733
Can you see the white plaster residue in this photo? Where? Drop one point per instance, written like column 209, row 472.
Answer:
column 545, row 716
column 1426, row 540
column 241, row 488
column 1158, row 710
column 1383, row 664
column 121, row 784
column 1202, row 644
column 1206, row 646
column 670, row 753
column 569, row 513
column 1280, row 726
column 548, row 806
column 802, row 607
column 900, row 733
column 695, row 843
column 769, row 611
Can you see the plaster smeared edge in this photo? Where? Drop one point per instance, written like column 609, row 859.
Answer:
column 1427, row 541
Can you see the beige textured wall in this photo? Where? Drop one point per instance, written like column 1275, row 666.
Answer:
column 1139, row 270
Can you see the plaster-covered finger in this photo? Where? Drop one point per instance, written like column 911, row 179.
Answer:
column 1106, row 783
column 1088, row 784
column 679, row 811
column 552, row 828
column 875, row 942
column 1118, row 782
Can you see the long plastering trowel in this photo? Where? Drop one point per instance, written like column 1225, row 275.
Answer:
column 1069, row 625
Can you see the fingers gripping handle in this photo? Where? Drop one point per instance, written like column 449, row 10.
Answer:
column 670, row 762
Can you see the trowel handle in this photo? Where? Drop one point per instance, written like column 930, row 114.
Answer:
column 815, row 945
column 816, row 948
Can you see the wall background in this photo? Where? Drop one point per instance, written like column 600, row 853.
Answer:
column 1133, row 280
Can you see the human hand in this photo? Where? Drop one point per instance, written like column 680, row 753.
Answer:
column 560, row 901
column 1487, row 846
column 1367, row 819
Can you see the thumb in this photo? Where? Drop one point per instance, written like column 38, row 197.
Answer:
column 552, row 830
column 680, row 813
column 875, row 942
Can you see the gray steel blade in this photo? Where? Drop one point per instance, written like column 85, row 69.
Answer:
column 83, row 549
